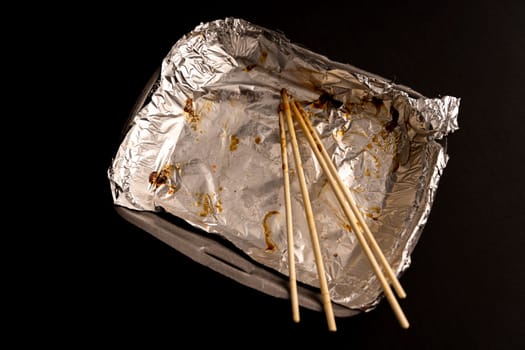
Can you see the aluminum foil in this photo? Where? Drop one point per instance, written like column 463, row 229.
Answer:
column 205, row 148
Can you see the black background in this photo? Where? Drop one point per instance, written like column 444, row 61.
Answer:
column 465, row 285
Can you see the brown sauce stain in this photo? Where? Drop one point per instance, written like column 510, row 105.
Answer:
column 347, row 226
column 264, row 56
column 257, row 140
column 371, row 216
column 207, row 106
column 376, row 161
column 205, row 202
column 234, row 143
column 270, row 244
column 249, row 67
column 207, row 207
column 374, row 214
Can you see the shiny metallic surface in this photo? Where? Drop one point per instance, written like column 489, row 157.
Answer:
column 206, row 148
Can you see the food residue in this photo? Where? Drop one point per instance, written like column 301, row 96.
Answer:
column 207, row 106
column 206, row 205
column 163, row 177
column 191, row 117
column 234, row 142
column 257, row 140
column 325, row 100
column 377, row 164
column 347, row 226
column 205, row 202
column 249, row 67
column 158, row 178
column 270, row 244
column 374, row 214
column 340, row 133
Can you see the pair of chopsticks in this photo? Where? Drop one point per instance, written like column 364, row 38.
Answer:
column 347, row 203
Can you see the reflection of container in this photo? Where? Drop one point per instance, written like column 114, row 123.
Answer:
column 214, row 252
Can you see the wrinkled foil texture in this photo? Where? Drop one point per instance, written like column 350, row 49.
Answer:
column 205, row 148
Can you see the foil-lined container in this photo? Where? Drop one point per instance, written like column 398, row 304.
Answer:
column 204, row 148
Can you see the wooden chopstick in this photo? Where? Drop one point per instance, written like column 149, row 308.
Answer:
column 289, row 220
column 368, row 234
column 317, row 147
column 325, row 295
